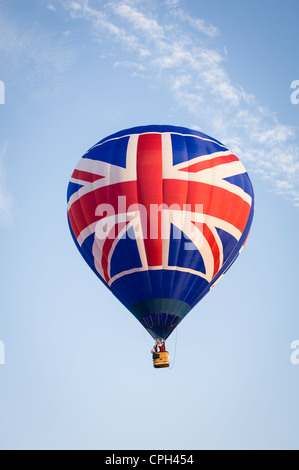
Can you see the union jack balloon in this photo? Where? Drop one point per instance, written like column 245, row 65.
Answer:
column 160, row 213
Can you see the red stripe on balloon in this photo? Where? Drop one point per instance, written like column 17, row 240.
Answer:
column 210, row 163
column 86, row 176
column 150, row 193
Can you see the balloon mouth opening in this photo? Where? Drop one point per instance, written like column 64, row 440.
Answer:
column 160, row 316
column 160, row 325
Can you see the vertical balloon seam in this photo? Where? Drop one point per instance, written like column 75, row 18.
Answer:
column 160, row 271
column 77, row 227
column 80, row 200
column 95, row 196
column 116, row 290
column 163, row 199
column 226, row 212
column 176, row 276
column 187, row 201
column 141, row 285
column 171, row 273
column 235, row 252
column 114, row 254
column 139, row 198
column 241, row 241
column 190, row 283
column 73, row 220
column 97, row 202
column 86, row 255
column 215, row 241
column 229, row 261
column 146, row 271
column 235, row 246
column 244, row 175
column 95, row 242
column 205, row 212
column 163, row 273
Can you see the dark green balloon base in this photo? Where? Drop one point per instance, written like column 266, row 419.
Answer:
column 160, row 316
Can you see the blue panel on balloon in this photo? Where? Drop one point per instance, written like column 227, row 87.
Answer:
column 228, row 241
column 144, row 285
column 86, row 251
column 183, row 252
column 112, row 151
column 126, row 255
column 242, row 181
column 186, row 148
column 72, row 188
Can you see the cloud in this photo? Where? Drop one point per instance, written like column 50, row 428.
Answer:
column 178, row 48
column 34, row 59
column 103, row 27
column 129, row 64
column 51, row 7
column 140, row 22
column 172, row 3
column 198, row 24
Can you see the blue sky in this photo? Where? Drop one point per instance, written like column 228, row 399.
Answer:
column 75, row 72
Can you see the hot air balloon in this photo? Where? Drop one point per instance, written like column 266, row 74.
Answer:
column 159, row 213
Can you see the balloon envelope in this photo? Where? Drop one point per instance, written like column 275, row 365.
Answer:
column 160, row 213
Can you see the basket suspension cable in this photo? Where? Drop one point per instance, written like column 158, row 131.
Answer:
column 145, row 338
column 175, row 345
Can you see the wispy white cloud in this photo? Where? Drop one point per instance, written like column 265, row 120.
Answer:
column 140, row 22
column 198, row 24
column 193, row 68
column 129, row 64
column 172, row 3
column 35, row 59
column 103, row 27
column 51, row 7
